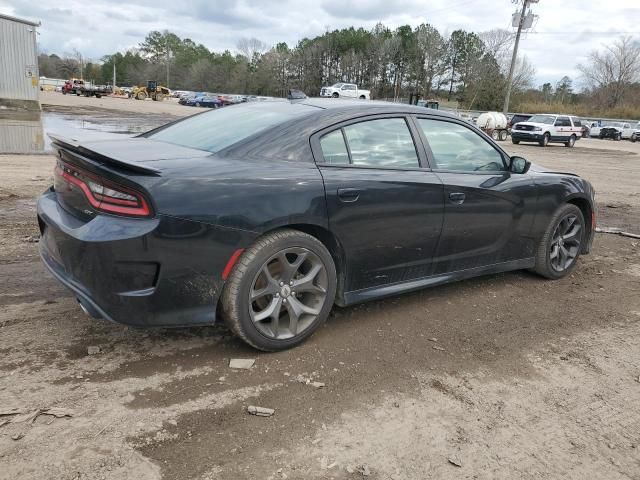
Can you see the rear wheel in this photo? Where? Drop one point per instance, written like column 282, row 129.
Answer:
column 495, row 134
column 618, row 137
column 362, row 97
column 280, row 291
column 503, row 135
column 545, row 140
column 561, row 243
column 634, row 138
column 571, row 142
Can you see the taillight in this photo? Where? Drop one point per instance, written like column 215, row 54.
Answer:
column 104, row 195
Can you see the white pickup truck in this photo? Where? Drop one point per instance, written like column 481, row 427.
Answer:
column 348, row 90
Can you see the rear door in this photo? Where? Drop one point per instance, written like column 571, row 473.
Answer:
column 563, row 129
column 488, row 210
column 349, row 90
column 385, row 207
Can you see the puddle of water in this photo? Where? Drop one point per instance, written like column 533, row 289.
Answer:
column 29, row 133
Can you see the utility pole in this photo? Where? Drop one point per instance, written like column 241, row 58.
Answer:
column 525, row 5
column 113, row 85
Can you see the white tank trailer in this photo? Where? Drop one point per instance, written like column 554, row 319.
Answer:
column 493, row 124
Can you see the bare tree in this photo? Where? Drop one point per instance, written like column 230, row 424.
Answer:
column 613, row 70
column 250, row 47
column 499, row 42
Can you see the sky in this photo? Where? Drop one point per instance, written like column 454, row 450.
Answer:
column 563, row 34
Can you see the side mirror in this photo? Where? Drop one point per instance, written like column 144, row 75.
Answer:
column 519, row 165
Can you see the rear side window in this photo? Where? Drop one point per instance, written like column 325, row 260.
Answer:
column 334, row 149
column 577, row 122
column 385, row 143
column 563, row 122
column 221, row 128
column 456, row 147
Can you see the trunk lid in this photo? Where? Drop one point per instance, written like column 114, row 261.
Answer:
column 129, row 163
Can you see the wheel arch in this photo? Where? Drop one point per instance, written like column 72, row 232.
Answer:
column 331, row 243
column 587, row 212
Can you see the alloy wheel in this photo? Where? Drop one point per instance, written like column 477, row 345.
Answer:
column 288, row 293
column 565, row 243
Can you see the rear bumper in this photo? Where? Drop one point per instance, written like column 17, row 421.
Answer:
column 142, row 272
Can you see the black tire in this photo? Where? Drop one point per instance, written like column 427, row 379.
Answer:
column 362, row 97
column 197, row 104
column 618, row 137
column 545, row 140
column 514, row 141
column 571, row 142
column 335, row 95
column 235, row 300
column 503, row 135
column 543, row 264
column 633, row 138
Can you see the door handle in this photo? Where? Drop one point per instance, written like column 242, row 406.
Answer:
column 457, row 197
column 348, row 195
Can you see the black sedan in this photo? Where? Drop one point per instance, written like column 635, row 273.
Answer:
column 268, row 213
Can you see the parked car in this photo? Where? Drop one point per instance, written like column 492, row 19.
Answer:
column 189, row 99
column 261, row 215
column 635, row 134
column 515, row 118
column 616, row 130
column 205, row 101
column 349, row 90
column 546, row 128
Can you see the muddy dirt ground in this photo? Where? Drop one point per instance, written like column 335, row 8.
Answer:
column 506, row 376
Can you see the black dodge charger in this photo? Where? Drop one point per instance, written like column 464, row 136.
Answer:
column 266, row 214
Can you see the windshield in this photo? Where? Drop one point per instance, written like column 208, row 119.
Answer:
column 546, row 119
column 337, row 85
column 220, row 128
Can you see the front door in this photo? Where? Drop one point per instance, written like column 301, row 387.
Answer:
column 488, row 210
column 384, row 208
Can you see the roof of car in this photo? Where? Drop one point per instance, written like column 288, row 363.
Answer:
column 367, row 105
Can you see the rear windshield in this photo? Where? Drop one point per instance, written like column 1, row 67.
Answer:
column 220, row 128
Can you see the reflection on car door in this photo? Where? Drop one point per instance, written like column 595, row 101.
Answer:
column 488, row 211
column 385, row 210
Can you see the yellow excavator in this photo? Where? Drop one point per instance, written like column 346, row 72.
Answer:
column 152, row 90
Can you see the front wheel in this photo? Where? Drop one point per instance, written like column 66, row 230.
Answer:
column 618, row 137
column 561, row 244
column 335, row 95
column 545, row 140
column 634, row 138
column 280, row 291
column 514, row 141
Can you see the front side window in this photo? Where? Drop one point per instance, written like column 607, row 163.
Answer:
column 456, row 147
column 385, row 143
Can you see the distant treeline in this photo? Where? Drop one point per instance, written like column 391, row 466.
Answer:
column 465, row 67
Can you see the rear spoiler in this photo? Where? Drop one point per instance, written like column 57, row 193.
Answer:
column 74, row 146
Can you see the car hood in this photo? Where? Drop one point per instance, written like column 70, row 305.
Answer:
column 539, row 169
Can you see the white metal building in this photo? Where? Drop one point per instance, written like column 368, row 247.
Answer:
column 19, row 79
